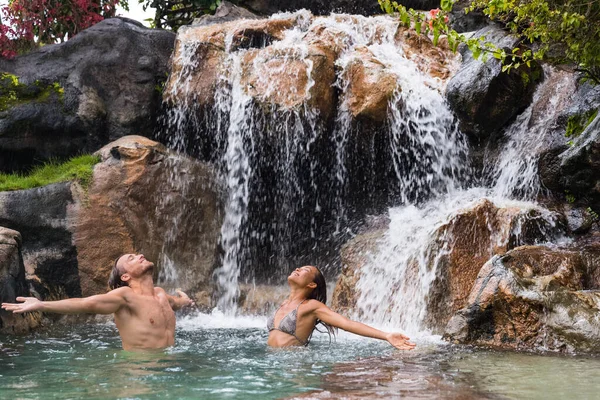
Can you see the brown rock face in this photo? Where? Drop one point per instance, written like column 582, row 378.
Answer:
column 354, row 255
column 286, row 77
column 473, row 237
column 138, row 189
column 458, row 251
column 371, row 86
column 13, row 284
column 534, row 297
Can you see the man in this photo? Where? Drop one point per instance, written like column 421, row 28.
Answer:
column 143, row 313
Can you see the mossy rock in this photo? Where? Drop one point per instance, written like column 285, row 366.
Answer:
column 13, row 92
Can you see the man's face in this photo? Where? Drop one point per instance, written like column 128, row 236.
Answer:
column 135, row 265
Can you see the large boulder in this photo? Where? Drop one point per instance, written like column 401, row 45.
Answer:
column 101, row 85
column 13, row 283
column 145, row 198
column 43, row 216
column 226, row 12
column 462, row 21
column 456, row 252
column 483, row 97
column 142, row 198
column 534, row 298
column 323, row 7
column 574, row 169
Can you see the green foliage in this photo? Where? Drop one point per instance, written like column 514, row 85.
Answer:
column 566, row 31
column 13, row 92
column 172, row 14
column 593, row 214
column 576, row 124
column 78, row 168
column 569, row 197
column 563, row 31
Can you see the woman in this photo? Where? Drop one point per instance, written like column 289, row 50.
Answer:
column 293, row 323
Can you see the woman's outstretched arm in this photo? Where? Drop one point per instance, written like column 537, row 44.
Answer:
column 332, row 318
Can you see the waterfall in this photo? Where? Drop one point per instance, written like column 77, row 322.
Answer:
column 299, row 172
column 395, row 284
column 275, row 106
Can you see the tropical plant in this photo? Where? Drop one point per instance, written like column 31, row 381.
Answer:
column 171, row 14
column 26, row 24
column 558, row 31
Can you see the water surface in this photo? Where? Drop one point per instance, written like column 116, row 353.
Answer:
column 217, row 358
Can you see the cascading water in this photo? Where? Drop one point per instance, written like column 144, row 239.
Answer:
column 271, row 143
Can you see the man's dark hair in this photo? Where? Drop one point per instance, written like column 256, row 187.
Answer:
column 114, row 281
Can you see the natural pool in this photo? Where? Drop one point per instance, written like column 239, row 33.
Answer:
column 220, row 358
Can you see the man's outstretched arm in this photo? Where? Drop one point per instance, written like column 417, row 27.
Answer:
column 100, row 304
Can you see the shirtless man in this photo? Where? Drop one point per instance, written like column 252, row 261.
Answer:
column 143, row 313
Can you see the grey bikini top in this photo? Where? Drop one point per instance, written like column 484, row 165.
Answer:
column 287, row 324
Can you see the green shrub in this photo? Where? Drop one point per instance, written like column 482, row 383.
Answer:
column 78, row 169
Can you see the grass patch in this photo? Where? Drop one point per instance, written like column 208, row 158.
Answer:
column 76, row 169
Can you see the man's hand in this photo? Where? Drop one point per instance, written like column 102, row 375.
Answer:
column 27, row 304
column 400, row 341
column 181, row 300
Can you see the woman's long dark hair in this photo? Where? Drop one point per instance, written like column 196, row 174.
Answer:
column 320, row 294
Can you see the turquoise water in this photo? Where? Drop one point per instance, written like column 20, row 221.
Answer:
column 229, row 360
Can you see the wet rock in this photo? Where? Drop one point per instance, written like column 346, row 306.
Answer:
column 466, row 22
column 13, row 284
column 102, row 86
column 261, row 299
column 354, row 254
column 226, row 12
column 139, row 188
column 436, row 61
column 483, row 97
column 44, row 218
column 323, row 7
column 579, row 220
column 457, row 251
column 205, row 46
column 534, row 298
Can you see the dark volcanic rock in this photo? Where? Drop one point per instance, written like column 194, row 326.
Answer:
column 532, row 298
column 483, row 97
column 43, row 216
column 12, row 283
column 109, row 74
column 466, row 22
column 324, row 7
column 226, row 12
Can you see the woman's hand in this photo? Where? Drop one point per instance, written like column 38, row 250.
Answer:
column 400, row 341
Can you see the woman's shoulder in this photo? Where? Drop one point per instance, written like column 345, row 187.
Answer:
column 313, row 304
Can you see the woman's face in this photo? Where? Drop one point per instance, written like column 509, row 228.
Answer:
column 303, row 276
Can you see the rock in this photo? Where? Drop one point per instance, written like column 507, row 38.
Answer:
column 98, row 86
column 575, row 170
column 579, row 220
column 13, row 284
column 139, row 189
column 466, row 22
column 322, row 7
column 226, row 12
column 72, row 235
column 44, row 216
column 371, row 86
column 534, row 298
column 354, row 254
column 205, row 45
column 261, row 299
column 483, row 97
column 457, row 251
